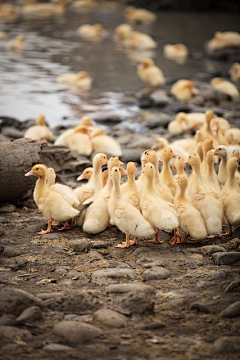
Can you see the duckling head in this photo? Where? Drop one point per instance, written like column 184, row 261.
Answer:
column 150, row 156
column 115, row 174
column 99, row 28
column 215, row 81
column 193, row 160
column 232, row 164
column 145, row 63
column 148, row 170
column 41, row 120
column 82, row 75
column 199, row 136
column 221, row 150
column 167, row 154
column 123, row 31
column 131, row 168
column 160, row 143
column 86, row 174
column 96, row 132
column 182, row 181
column 101, row 158
column 86, row 120
column 114, row 161
column 38, row 170
column 235, row 153
column 207, row 145
column 51, row 176
column 81, row 129
column 210, row 157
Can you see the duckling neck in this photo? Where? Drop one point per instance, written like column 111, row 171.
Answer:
column 116, row 191
column 149, row 186
column 231, row 180
column 181, row 195
column 96, row 178
column 131, row 181
column 166, row 171
column 40, row 188
column 180, row 169
column 223, row 164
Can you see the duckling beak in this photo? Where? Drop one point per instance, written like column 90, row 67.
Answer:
column 175, row 155
column 121, row 163
column 29, row 173
column 124, row 172
column 143, row 159
column 141, row 171
column 176, row 177
column 153, row 147
column 93, row 123
column 214, row 128
column 186, row 162
column 81, row 177
column 160, row 160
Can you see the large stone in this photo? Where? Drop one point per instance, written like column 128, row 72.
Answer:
column 227, row 345
column 14, row 301
column 226, row 258
column 112, row 276
column 11, row 332
column 134, row 303
column 69, row 303
column 233, row 286
column 56, row 347
column 232, row 310
column 79, row 245
column 122, row 288
column 208, row 250
column 110, row 318
column 217, row 275
column 77, row 332
column 156, row 273
column 29, row 315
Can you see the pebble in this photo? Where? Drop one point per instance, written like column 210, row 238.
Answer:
column 7, row 208
column 8, row 319
column 30, row 315
column 79, row 246
column 233, row 286
column 227, row 345
column 236, row 328
column 112, row 276
column 208, row 250
column 134, row 303
column 141, row 250
column 156, row 273
column 14, row 301
column 77, row 332
column 161, row 120
column 56, row 347
column 217, row 275
column 123, row 288
column 11, row 332
column 99, row 244
column 232, row 310
column 10, row 251
column 12, row 132
column 110, row 318
column 226, row 258
column 199, row 307
column 70, row 302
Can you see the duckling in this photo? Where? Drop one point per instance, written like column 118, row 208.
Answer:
column 39, row 131
column 130, row 190
column 166, row 173
column 180, row 165
column 102, row 142
column 178, row 52
column 81, row 81
column 95, row 183
column 80, row 141
column 84, row 6
column 188, row 215
column 140, row 41
column 8, row 11
column 159, row 213
column 230, row 196
column 91, row 31
column 3, row 35
column 16, row 45
column 85, row 120
column 225, row 86
column 183, row 122
column 122, row 31
column 210, row 177
column 233, row 136
column 161, row 143
column 236, row 153
column 97, row 216
column 206, row 130
column 207, row 145
column 44, row 10
column 150, row 74
column 207, row 202
column 125, row 216
column 184, row 89
column 163, row 190
column 52, row 205
column 223, row 40
column 216, row 127
column 235, row 73
column 86, row 174
column 64, row 190
column 139, row 15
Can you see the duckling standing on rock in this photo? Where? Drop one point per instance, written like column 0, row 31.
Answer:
column 184, row 122
column 178, row 52
column 225, row 86
column 184, row 89
column 91, row 31
column 140, row 41
column 125, row 216
column 130, row 190
column 81, row 81
column 223, row 40
column 39, row 131
column 105, row 143
column 139, row 15
column 122, row 31
column 149, row 73
column 52, row 205
column 80, row 141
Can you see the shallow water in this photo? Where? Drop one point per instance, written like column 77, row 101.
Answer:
column 28, row 86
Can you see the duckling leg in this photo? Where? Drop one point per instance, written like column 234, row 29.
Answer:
column 134, row 242
column 156, row 240
column 66, row 226
column 74, row 221
column 49, row 229
column 127, row 243
column 172, row 232
column 229, row 233
column 176, row 238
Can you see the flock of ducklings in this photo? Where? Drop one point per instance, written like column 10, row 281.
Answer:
column 125, row 35
column 199, row 205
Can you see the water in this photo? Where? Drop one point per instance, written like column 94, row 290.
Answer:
column 28, row 82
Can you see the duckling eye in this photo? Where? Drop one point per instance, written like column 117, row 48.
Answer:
column 145, row 152
column 219, row 149
column 37, row 168
column 179, row 157
column 165, row 150
column 115, row 170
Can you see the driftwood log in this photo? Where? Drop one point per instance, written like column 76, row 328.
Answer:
column 17, row 158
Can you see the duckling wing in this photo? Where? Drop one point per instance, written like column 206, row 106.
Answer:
column 198, row 197
column 119, row 211
column 145, row 204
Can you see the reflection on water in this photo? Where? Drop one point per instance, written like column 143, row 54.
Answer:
column 28, row 81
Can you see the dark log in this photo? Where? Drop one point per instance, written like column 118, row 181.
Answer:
column 17, row 158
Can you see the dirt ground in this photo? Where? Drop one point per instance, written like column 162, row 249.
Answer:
column 179, row 315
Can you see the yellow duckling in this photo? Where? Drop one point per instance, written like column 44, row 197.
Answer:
column 222, row 151
column 184, row 122
column 161, row 143
column 79, row 140
column 188, row 215
column 223, row 40
column 95, row 183
column 125, row 216
column 122, row 31
column 86, row 174
column 206, row 201
column 39, row 131
column 140, row 41
column 225, row 86
column 166, row 173
column 85, row 120
column 97, row 216
column 159, row 213
column 206, row 131
column 217, row 131
column 84, row 6
column 139, row 15
column 81, row 81
column 230, row 196
column 150, row 74
column 91, row 31
column 105, row 143
column 44, row 9
column 210, row 177
column 64, row 190
column 180, row 165
column 235, row 73
column 52, row 205
column 207, row 145
column 233, row 136
column 8, row 11
column 184, row 89
column 178, row 52
column 16, row 45
column 130, row 191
